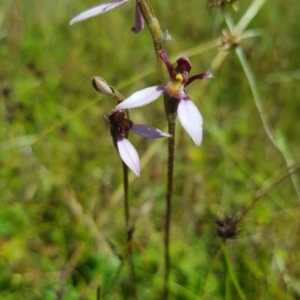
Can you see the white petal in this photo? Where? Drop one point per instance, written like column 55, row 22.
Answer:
column 141, row 98
column 148, row 131
column 128, row 154
column 191, row 119
column 98, row 10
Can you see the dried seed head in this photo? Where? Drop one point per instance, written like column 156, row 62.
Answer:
column 226, row 226
column 221, row 3
column 229, row 41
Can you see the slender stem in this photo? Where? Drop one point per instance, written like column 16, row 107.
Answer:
column 156, row 34
column 98, row 293
column 209, row 272
column 171, row 151
column 157, row 37
column 230, row 271
column 171, row 113
column 129, row 229
column 129, row 232
column 126, row 202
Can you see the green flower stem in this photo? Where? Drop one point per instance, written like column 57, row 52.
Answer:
column 171, row 113
column 129, row 231
column 157, row 37
column 170, row 173
column 126, row 202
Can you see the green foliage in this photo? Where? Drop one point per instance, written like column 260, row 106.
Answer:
column 62, row 232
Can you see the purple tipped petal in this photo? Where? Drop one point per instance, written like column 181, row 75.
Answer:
column 98, row 10
column 199, row 76
column 191, row 119
column 128, row 154
column 148, row 131
column 184, row 64
column 139, row 20
column 141, row 98
column 164, row 56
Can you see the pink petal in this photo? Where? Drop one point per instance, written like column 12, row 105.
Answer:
column 191, row 119
column 141, row 98
column 199, row 76
column 183, row 60
column 164, row 56
column 98, row 10
column 128, row 154
column 139, row 20
column 148, row 131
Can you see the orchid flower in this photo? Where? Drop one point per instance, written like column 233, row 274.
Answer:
column 105, row 7
column 120, row 127
column 189, row 115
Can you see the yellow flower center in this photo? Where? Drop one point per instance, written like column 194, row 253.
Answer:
column 175, row 86
column 179, row 77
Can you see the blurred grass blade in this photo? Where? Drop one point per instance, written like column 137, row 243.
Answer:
column 18, row 142
column 232, row 273
column 248, row 16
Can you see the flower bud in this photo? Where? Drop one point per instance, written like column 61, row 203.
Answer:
column 101, row 86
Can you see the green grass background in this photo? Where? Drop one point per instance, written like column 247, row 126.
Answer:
column 61, row 205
